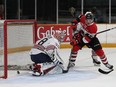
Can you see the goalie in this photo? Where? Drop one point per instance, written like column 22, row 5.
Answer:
column 45, row 54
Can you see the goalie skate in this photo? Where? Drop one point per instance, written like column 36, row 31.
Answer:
column 36, row 70
column 36, row 74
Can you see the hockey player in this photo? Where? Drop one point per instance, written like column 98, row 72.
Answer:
column 85, row 35
column 45, row 54
column 73, row 43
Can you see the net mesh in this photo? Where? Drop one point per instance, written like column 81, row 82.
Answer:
column 19, row 42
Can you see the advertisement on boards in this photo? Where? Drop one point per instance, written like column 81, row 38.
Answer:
column 44, row 29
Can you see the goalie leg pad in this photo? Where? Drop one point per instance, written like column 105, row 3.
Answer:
column 38, row 70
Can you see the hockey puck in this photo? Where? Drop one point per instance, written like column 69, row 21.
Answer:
column 18, row 72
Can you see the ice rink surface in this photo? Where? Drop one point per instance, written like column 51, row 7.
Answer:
column 84, row 74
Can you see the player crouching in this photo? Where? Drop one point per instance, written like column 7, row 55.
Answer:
column 45, row 54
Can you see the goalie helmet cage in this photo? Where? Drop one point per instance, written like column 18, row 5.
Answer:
column 4, row 48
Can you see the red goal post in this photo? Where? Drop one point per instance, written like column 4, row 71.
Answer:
column 15, row 35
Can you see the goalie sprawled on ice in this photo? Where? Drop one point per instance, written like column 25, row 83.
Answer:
column 45, row 54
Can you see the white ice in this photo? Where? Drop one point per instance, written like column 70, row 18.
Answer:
column 84, row 74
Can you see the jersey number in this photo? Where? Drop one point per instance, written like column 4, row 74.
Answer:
column 43, row 41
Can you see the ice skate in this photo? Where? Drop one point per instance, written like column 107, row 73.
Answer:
column 36, row 73
column 109, row 66
column 95, row 61
column 71, row 64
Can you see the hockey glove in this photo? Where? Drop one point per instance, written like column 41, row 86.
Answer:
column 74, row 25
column 73, row 42
column 76, row 39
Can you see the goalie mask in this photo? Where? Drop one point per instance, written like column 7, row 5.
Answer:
column 59, row 36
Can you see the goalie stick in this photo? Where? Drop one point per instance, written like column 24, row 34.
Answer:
column 105, row 72
column 45, row 71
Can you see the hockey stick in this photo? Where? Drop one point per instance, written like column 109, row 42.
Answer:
column 105, row 30
column 105, row 72
column 93, row 35
column 59, row 56
column 63, row 71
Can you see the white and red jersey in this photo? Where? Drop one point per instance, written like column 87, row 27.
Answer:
column 46, row 44
column 92, row 28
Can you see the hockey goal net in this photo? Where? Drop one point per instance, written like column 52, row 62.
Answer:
column 15, row 36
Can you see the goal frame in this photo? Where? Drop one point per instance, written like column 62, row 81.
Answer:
column 5, row 72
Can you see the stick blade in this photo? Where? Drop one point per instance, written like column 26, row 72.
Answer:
column 105, row 72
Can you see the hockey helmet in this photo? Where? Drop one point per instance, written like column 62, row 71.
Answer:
column 59, row 36
column 89, row 17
